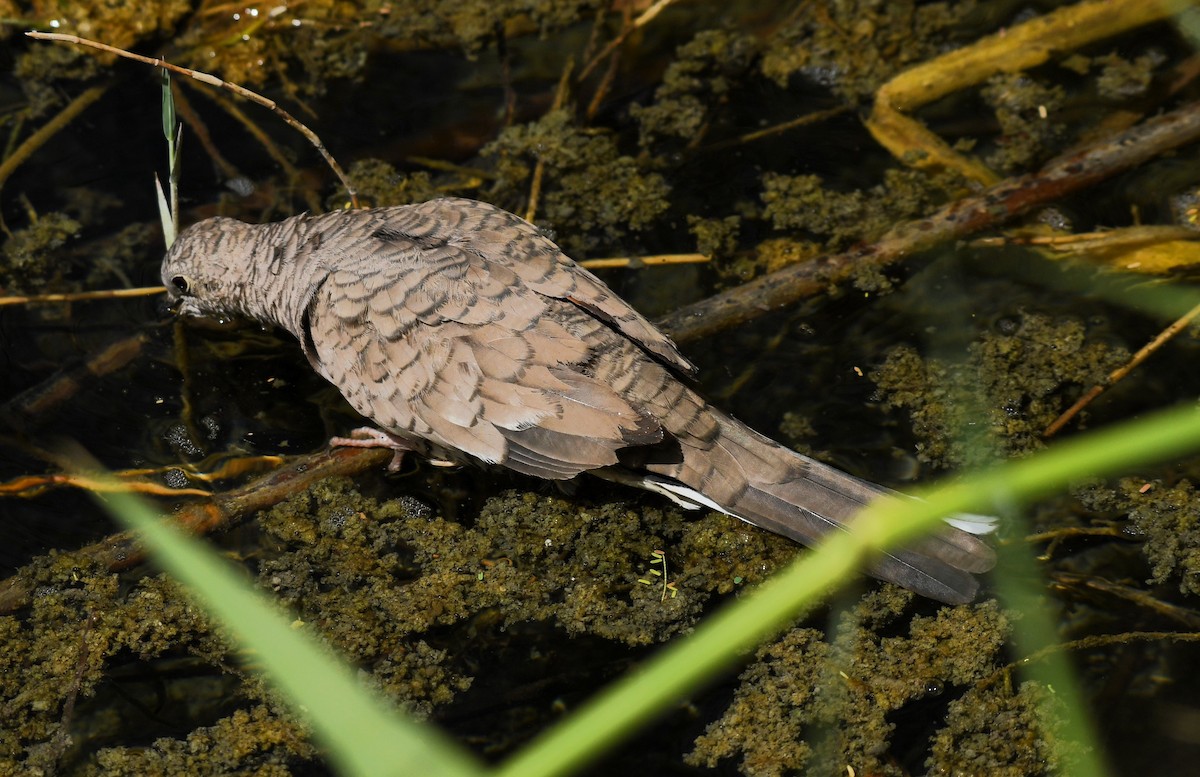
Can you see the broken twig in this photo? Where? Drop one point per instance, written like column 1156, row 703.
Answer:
column 1118, row 374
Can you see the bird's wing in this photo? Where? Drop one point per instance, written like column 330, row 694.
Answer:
column 446, row 340
column 506, row 240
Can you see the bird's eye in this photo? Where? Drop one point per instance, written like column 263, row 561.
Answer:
column 181, row 284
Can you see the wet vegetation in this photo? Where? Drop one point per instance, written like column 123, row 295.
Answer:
column 492, row 604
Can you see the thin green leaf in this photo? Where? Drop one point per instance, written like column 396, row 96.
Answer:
column 165, row 215
column 168, row 107
column 625, row 705
column 174, row 154
column 363, row 734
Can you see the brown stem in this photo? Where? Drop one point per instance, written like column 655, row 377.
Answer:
column 510, row 94
column 268, row 145
column 1184, row 616
column 750, row 137
column 606, row 82
column 199, row 129
column 645, row 18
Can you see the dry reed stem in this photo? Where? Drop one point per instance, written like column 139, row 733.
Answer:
column 749, row 137
column 648, row 261
column 81, row 296
column 1011, row 50
column 211, row 80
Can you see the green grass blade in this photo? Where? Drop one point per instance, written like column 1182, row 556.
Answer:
column 362, row 733
column 168, row 107
column 1037, row 629
column 625, row 705
column 173, row 132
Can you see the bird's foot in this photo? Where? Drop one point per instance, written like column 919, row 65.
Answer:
column 370, row 437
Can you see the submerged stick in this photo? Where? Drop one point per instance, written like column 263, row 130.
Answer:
column 31, row 406
column 994, row 206
column 539, row 170
column 643, row 19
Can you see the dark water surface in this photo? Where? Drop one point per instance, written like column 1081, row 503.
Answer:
column 956, row 358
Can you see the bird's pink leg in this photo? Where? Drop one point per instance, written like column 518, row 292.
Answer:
column 370, row 437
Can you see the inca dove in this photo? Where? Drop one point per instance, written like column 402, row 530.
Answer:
column 463, row 333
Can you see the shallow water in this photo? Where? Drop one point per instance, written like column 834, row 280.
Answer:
column 995, row 349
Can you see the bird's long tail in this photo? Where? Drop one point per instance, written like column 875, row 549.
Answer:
column 730, row 467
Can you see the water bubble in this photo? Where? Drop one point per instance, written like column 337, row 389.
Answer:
column 175, row 478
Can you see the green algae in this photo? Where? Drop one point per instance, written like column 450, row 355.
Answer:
column 1121, row 78
column 769, row 255
column 854, row 47
column 41, row 70
column 376, row 580
column 122, row 25
column 30, row 263
column 1028, row 110
column 416, row 599
column 997, row 731
column 253, row 741
column 1167, row 519
column 83, row 625
column 702, row 74
column 816, row 704
column 1015, row 380
column 715, row 238
column 806, row 204
column 326, row 41
column 118, row 24
column 596, row 195
column 526, row 558
column 379, row 184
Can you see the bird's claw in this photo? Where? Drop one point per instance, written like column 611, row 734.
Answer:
column 370, row 437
